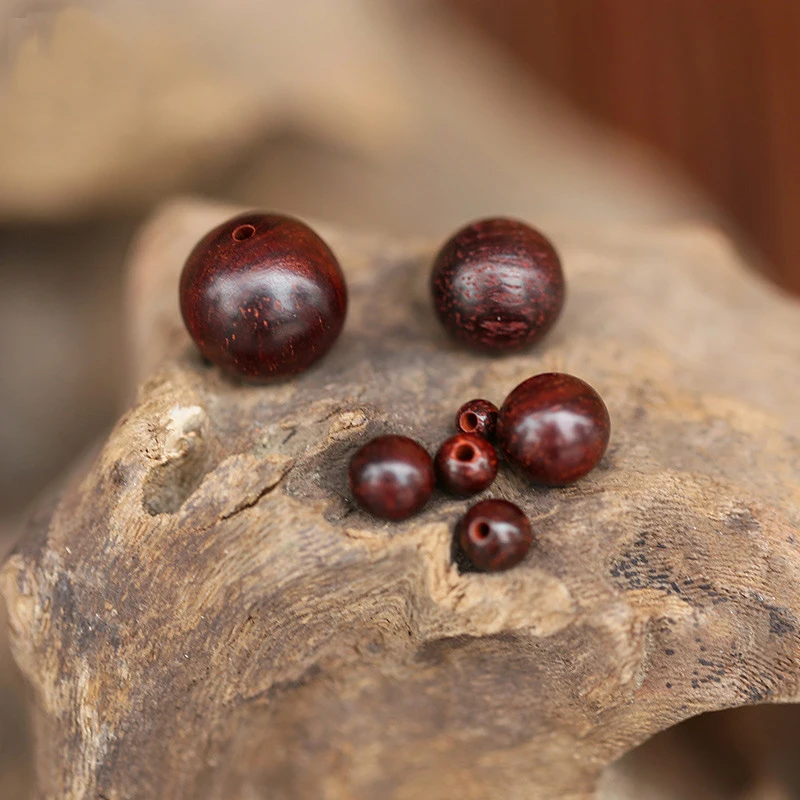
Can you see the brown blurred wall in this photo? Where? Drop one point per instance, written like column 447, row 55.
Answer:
column 715, row 84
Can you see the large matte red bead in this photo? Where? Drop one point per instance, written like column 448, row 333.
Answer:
column 553, row 428
column 466, row 464
column 497, row 285
column 494, row 535
column 263, row 296
column 392, row 477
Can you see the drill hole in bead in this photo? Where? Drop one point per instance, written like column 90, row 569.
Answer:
column 469, row 421
column 481, row 531
column 465, row 452
column 243, row 232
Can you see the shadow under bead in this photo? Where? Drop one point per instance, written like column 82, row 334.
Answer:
column 497, row 285
column 392, row 477
column 495, row 535
column 263, row 296
column 466, row 464
column 553, row 428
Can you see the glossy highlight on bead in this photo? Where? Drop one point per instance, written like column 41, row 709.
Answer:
column 392, row 477
column 466, row 464
column 553, row 428
column 495, row 535
column 263, row 296
column 497, row 285
column 477, row 416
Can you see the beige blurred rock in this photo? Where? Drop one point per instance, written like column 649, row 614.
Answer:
column 117, row 104
column 408, row 121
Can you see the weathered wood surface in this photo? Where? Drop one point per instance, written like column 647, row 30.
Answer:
column 203, row 614
column 15, row 762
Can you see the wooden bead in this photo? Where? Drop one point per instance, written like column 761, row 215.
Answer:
column 497, row 285
column 392, row 477
column 479, row 417
column 553, row 428
column 494, row 535
column 466, row 464
column 263, row 296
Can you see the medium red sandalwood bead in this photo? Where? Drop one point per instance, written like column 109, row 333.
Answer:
column 477, row 416
column 263, row 296
column 392, row 477
column 497, row 285
column 494, row 535
column 553, row 428
column 466, row 464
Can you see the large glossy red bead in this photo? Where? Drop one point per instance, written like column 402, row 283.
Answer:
column 494, row 535
column 477, row 416
column 392, row 477
column 497, row 285
column 263, row 296
column 466, row 464
column 553, row 428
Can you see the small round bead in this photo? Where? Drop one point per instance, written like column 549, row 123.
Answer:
column 479, row 417
column 263, row 296
column 466, row 464
column 497, row 285
column 392, row 477
column 553, row 428
column 495, row 535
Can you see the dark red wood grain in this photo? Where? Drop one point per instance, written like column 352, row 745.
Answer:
column 495, row 535
column 553, row 428
column 466, row 464
column 263, row 296
column 392, row 477
column 477, row 416
column 497, row 285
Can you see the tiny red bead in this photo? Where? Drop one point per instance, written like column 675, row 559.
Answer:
column 392, row 477
column 466, row 464
column 263, row 296
column 498, row 285
column 479, row 417
column 495, row 535
column 553, row 428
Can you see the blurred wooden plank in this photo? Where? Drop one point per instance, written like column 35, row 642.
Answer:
column 713, row 84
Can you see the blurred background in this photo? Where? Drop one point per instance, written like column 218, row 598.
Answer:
column 407, row 117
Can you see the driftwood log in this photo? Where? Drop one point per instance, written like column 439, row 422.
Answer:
column 201, row 612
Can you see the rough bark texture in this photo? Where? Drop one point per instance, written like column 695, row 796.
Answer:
column 202, row 613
